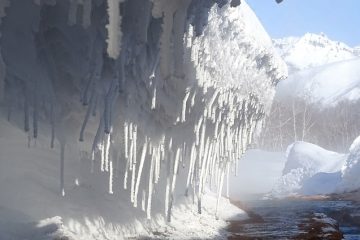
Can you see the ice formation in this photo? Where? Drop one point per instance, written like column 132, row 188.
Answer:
column 171, row 91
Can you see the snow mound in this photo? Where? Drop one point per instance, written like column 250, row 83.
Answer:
column 309, row 169
column 326, row 85
column 296, row 51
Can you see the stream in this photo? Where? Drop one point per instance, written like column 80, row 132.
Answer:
column 281, row 219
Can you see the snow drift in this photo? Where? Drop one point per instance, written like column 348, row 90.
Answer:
column 311, row 170
column 141, row 101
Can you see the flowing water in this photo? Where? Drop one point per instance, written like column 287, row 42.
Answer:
column 280, row 219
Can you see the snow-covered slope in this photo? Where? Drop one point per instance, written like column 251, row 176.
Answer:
column 124, row 114
column 320, row 70
column 312, row 50
column 324, row 84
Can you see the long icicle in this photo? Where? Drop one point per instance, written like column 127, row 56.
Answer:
column 142, row 160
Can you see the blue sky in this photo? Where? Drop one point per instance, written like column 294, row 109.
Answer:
column 339, row 20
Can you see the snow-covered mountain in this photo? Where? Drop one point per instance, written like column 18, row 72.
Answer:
column 312, row 50
column 320, row 70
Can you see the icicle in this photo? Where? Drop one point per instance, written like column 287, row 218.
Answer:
column 173, row 182
column 202, row 141
column 197, row 131
column 143, row 201
column 168, row 180
column 62, row 164
column 157, row 164
column 227, row 180
column 142, row 160
column 111, row 178
column 102, row 154
column 126, row 133
column 183, row 112
column 129, row 160
column 148, row 210
column 153, row 100
column 202, row 172
column 133, row 170
column 191, row 166
column 107, row 144
column 114, row 28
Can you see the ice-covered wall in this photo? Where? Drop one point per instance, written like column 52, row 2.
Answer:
column 161, row 94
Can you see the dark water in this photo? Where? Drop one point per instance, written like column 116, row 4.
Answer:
column 282, row 218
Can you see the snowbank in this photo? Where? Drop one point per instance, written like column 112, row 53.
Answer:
column 309, row 169
column 351, row 170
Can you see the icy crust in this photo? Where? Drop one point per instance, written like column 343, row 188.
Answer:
column 156, row 114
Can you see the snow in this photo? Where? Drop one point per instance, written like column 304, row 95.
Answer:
column 296, row 51
column 321, row 71
column 351, row 170
column 325, row 85
column 311, row 170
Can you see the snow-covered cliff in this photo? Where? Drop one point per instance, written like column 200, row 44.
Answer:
column 160, row 97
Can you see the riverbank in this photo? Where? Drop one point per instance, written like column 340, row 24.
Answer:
column 305, row 218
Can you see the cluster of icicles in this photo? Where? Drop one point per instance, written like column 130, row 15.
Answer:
column 208, row 156
column 223, row 128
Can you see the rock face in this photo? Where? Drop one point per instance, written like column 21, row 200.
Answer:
column 160, row 96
